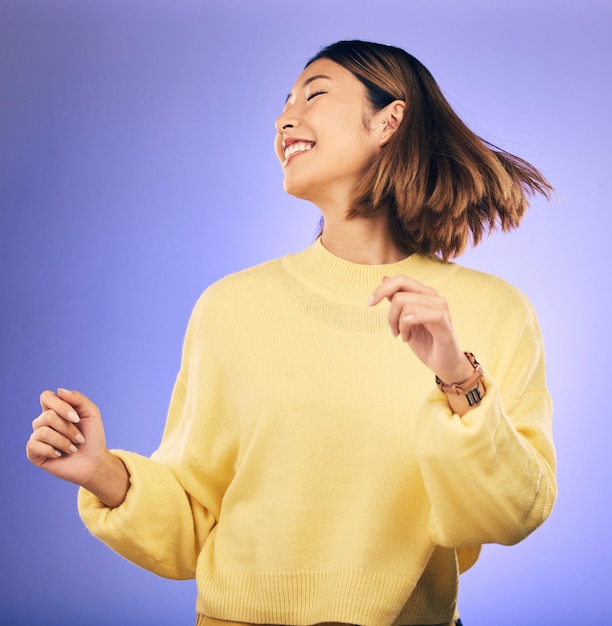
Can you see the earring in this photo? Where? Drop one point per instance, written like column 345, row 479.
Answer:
column 382, row 136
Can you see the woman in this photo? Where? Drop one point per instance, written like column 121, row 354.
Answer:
column 316, row 468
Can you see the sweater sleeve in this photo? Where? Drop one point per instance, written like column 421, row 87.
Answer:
column 490, row 475
column 155, row 526
column 174, row 497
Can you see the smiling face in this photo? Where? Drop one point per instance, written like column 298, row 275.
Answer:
column 327, row 134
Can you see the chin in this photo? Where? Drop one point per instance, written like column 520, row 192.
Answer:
column 298, row 189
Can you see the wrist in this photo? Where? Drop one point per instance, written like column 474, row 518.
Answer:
column 466, row 394
column 464, row 385
column 456, row 371
column 111, row 481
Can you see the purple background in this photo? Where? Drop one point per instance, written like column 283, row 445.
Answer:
column 136, row 167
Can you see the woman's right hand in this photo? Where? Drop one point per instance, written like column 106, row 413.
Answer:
column 68, row 441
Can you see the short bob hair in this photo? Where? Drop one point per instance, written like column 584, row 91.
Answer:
column 441, row 185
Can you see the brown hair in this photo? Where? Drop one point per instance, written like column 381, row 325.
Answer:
column 440, row 184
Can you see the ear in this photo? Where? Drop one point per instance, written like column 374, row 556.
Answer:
column 392, row 116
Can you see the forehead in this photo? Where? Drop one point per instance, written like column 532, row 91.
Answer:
column 327, row 70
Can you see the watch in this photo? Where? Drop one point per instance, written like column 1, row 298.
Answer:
column 468, row 385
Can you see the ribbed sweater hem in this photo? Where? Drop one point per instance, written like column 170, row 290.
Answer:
column 349, row 596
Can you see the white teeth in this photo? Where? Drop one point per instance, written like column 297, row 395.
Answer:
column 299, row 146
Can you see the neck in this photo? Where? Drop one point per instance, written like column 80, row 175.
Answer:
column 364, row 241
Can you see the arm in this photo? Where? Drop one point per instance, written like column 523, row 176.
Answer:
column 159, row 526
column 134, row 504
column 489, row 475
column 489, row 469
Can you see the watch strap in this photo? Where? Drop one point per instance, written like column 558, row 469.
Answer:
column 468, row 385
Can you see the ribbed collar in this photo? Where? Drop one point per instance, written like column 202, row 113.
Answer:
column 352, row 283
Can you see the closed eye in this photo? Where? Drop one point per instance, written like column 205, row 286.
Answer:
column 314, row 95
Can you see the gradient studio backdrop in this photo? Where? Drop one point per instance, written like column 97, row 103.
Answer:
column 136, row 167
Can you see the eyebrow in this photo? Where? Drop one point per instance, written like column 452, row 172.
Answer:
column 310, row 80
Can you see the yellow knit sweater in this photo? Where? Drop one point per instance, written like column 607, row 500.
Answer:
column 310, row 471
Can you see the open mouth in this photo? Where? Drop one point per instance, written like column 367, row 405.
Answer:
column 297, row 147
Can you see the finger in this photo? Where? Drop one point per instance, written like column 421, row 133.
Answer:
column 57, row 441
column 403, row 304
column 424, row 316
column 53, row 420
column 81, row 403
column 52, row 401
column 390, row 286
column 38, row 452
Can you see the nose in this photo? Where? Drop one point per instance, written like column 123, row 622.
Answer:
column 287, row 120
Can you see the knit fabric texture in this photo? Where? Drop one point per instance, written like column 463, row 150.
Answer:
column 310, row 470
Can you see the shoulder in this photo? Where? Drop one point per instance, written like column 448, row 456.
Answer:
column 491, row 316
column 254, row 277
column 486, row 289
column 229, row 303
column 240, row 289
column 486, row 306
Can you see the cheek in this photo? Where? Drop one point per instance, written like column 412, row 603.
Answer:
column 355, row 151
column 351, row 137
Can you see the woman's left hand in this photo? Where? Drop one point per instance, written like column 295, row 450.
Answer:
column 420, row 315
